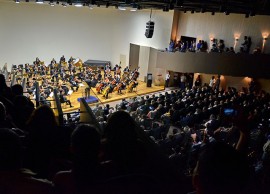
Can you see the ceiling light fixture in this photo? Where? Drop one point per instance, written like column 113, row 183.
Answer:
column 133, row 9
column 39, row 1
column 122, row 8
column 78, row 4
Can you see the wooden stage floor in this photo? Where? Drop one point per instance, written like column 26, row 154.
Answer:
column 141, row 90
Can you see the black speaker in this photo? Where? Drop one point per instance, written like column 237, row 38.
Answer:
column 149, row 29
column 149, row 80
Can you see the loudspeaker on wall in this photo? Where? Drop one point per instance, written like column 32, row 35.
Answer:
column 149, row 29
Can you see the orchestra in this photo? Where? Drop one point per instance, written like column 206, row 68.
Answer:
column 65, row 76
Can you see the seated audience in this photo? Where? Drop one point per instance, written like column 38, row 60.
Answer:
column 14, row 179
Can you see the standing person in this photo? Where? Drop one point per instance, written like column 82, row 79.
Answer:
column 167, row 79
column 217, row 83
column 183, row 80
column 198, row 81
column 212, row 82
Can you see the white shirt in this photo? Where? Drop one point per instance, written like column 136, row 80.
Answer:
column 167, row 76
column 212, row 82
column 183, row 78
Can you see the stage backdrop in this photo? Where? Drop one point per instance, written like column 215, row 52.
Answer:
column 28, row 30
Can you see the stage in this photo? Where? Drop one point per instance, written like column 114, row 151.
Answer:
column 94, row 96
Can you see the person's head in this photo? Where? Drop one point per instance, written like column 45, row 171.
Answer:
column 85, row 142
column 220, row 170
column 17, row 90
column 2, row 81
column 120, row 128
column 10, row 150
column 43, row 116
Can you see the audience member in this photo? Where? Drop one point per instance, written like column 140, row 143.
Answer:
column 86, row 172
column 14, row 179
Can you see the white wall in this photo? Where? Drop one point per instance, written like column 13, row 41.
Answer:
column 204, row 26
column 143, row 61
column 28, row 30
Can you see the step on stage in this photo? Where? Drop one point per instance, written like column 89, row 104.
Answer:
column 95, row 97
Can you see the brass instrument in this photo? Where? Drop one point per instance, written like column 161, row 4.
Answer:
column 78, row 63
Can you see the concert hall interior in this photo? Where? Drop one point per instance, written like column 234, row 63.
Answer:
column 134, row 96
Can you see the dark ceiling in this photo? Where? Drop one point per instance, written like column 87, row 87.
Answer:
column 247, row 7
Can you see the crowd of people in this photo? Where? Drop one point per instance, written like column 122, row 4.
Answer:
column 215, row 45
column 147, row 144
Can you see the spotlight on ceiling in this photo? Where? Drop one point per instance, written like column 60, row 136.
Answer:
column 39, row 1
column 78, row 4
column 17, row 1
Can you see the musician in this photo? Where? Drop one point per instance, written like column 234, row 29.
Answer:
column 70, row 60
column 87, row 92
column 63, row 99
column 62, row 59
column 127, row 69
column 53, row 62
column 70, row 67
column 74, row 83
column 37, row 62
column 43, row 99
